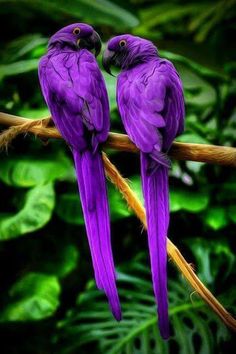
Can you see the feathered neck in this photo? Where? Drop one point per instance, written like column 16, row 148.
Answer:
column 139, row 52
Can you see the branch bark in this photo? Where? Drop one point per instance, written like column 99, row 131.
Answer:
column 195, row 152
column 220, row 155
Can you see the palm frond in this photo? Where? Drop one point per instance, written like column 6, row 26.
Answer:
column 191, row 321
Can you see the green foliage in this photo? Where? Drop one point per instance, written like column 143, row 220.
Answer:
column 101, row 11
column 69, row 207
column 36, row 212
column 17, row 68
column 216, row 218
column 45, row 262
column 33, row 297
column 59, row 258
column 28, row 172
column 212, row 257
column 189, row 201
column 138, row 333
column 23, row 46
column 179, row 198
column 62, row 263
column 201, row 17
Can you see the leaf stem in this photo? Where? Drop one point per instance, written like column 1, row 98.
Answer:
column 150, row 322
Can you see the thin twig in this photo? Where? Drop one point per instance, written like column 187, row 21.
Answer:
column 220, row 155
column 8, row 135
column 227, row 156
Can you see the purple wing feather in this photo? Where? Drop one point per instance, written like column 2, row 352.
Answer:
column 151, row 104
column 75, row 92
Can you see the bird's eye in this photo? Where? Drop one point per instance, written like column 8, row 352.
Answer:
column 76, row 30
column 122, row 43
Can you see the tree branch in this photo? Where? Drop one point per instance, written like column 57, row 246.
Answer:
column 220, row 155
column 194, row 152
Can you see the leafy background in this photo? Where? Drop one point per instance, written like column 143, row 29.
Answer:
column 48, row 302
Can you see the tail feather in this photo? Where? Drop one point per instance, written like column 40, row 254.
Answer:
column 156, row 196
column 93, row 194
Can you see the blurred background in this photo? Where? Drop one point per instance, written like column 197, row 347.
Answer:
column 48, row 302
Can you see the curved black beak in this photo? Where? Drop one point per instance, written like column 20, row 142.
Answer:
column 91, row 43
column 108, row 60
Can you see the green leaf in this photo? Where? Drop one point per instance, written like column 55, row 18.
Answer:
column 32, row 298
column 195, row 166
column 69, row 208
column 62, row 262
column 232, row 213
column 217, row 12
column 94, row 11
column 203, row 72
column 216, row 218
column 35, row 213
column 193, row 138
column 30, row 172
column 203, row 92
column 135, row 184
column 118, row 206
column 184, row 199
column 34, row 113
column 227, row 191
column 23, row 46
column 212, row 257
column 137, row 333
column 165, row 13
column 111, row 88
column 17, row 68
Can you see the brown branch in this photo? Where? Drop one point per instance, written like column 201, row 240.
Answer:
column 220, row 155
column 194, row 152
column 8, row 135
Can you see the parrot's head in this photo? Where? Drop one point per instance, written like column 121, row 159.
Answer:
column 126, row 51
column 77, row 36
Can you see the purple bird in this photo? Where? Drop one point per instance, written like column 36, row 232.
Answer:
column 151, row 105
column 74, row 90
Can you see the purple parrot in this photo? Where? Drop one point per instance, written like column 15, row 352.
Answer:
column 151, row 105
column 74, row 90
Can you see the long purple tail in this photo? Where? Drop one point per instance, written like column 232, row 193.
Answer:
column 156, row 196
column 93, row 195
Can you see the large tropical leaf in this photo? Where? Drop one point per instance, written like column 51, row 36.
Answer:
column 137, row 333
column 33, row 297
column 35, row 213
column 30, row 172
column 59, row 260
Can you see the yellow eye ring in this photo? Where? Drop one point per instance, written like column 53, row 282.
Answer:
column 76, row 30
column 122, row 43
